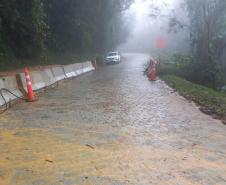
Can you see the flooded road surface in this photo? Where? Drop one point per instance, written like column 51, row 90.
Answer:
column 111, row 127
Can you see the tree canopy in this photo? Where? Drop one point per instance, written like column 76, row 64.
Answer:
column 207, row 29
column 208, row 39
column 28, row 28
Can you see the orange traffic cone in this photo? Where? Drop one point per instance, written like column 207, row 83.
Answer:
column 153, row 72
column 31, row 95
column 148, row 72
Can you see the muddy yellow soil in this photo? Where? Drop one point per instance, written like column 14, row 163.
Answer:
column 34, row 156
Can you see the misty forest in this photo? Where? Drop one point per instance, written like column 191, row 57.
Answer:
column 34, row 31
column 112, row 92
column 34, row 28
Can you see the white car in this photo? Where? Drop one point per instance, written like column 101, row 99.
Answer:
column 113, row 57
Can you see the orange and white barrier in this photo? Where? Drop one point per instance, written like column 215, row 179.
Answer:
column 151, row 70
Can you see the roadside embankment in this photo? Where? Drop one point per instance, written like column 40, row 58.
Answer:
column 14, row 87
column 210, row 101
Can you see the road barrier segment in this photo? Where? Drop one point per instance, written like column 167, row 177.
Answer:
column 69, row 71
column 87, row 66
column 36, row 80
column 2, row 85
column 40, row 79
column 78, row 68
column 10, row 83
column 58, row 73
column 48, row 77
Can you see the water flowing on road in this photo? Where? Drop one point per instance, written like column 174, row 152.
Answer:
column 111, row 126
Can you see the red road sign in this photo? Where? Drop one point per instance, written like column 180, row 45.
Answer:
column 160, row 43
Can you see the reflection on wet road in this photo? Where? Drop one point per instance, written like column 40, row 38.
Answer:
column 111, row 127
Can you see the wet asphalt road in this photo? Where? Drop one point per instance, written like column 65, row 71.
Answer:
column 111, row 127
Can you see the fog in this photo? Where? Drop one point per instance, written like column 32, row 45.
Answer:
column 148, row 20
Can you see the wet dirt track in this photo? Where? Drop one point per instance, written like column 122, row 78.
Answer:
column 111, row 127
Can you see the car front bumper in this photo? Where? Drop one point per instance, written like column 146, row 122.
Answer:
column 112, row 60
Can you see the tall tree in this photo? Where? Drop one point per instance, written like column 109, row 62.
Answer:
column 86, row 25
column 28, row 27
column 23, row 26
column 208, row 37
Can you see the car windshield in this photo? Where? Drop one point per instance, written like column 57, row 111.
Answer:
column 112, row 54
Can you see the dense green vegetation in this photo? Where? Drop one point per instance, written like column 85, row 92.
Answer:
column 36, row 29
column 200, row 75
column 208, row 40
column 212, row 102
column 207, row 29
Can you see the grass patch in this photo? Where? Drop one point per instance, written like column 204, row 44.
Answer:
column 211, row 101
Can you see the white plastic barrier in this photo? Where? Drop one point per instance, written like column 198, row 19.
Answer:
column 10, row 83
column 36, row 80
column 58, row 73
column 69, row 71
column 48, row 77
column 2, row 85
column 41, row 79
column 78, row 68
column 87, row 66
